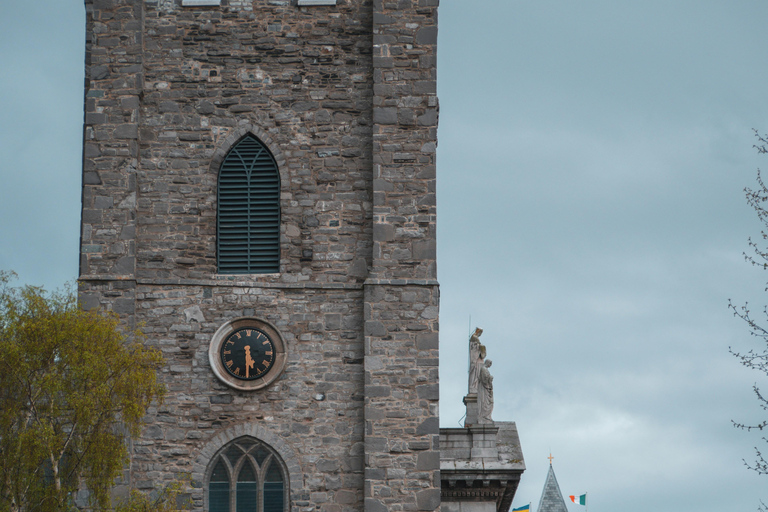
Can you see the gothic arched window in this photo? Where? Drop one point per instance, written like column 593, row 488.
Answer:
column 248, row 221
column 247, row 476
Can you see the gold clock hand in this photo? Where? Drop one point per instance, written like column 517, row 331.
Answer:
column 249, row 362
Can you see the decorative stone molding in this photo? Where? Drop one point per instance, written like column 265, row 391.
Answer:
column 234, row 137
column 262, row 433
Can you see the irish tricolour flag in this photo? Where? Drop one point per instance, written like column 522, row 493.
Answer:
column 579, row 500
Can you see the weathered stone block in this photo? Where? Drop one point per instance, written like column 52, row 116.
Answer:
column 428, row 391
column 429, row 426
column 427, row 35
column 377, row 391
column 374, row 505
column 374, row 328
column 377, row 444
column 385, row 115
column 428, row 461
column 126, row 131
column 428, row 499
column 383, row 232
column 98, row 72
column 125, row 265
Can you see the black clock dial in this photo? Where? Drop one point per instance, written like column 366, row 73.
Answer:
column 248, row 354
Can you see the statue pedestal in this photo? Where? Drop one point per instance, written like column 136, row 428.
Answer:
column 471, row 402
column 480, row 467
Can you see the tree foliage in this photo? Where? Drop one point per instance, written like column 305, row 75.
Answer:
column 170, row 499
column 757, row 198
column 72, row 386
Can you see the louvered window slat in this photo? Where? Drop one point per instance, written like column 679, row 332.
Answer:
column 248, row 210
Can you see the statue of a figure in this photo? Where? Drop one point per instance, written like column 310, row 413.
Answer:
column 476, row 357
column 485, row 394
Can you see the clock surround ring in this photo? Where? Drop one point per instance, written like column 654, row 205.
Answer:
column 227, row 330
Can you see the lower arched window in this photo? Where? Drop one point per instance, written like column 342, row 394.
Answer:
column 247, row 476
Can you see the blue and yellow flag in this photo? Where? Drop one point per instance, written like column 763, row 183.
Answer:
column 524, row 508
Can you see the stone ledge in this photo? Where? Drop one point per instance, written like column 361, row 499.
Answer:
column 217, row 282
column 200, row 3
column 401, row 282
column 106, row 277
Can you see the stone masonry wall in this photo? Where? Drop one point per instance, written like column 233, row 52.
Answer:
column 321, row 328
column 402, row 297
column 401, row 398
column 298, row 77
column 405, row 114
column 114, row 84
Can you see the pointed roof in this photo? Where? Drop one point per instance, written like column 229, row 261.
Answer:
column 551, row 497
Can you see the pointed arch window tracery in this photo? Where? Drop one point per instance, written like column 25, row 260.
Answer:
column 247, row 476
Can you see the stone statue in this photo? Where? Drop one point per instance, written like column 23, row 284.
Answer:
column 476, row 357
column 485, row 394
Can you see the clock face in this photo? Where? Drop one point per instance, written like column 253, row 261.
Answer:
column 248, row 354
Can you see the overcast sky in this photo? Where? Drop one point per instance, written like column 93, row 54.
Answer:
column 591, row 167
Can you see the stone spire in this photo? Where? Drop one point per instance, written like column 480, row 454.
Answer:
column 551, row 497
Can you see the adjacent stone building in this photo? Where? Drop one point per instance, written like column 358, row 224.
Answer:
column 481, row 463
column 259, row 197
column 480, row 467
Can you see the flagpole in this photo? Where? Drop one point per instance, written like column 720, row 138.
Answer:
column 469, row 350
column 586, row 502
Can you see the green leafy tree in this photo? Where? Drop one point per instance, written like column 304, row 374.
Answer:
column 72, row 386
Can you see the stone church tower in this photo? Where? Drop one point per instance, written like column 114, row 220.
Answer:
column 259, row 198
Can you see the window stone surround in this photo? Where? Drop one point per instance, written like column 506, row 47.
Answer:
column 261, row 433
